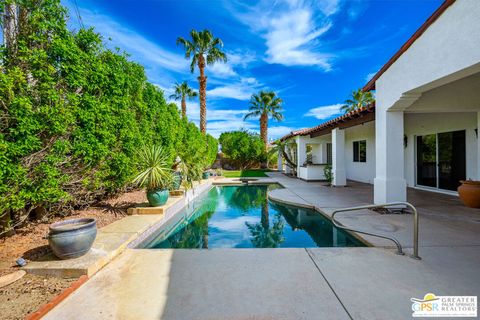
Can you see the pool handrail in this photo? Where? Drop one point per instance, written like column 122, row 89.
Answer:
column 385, row 205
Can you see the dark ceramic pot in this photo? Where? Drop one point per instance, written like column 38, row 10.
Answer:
column 206, row 175
column 157, row 198
column 469, row 192
column 177, row 180
column 72, row 238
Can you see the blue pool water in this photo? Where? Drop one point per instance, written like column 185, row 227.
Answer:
column 242, row 217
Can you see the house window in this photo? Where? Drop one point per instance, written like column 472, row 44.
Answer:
column 329, row 153
column 360, row 151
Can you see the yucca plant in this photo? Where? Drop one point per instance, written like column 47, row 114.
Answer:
column 155, row 174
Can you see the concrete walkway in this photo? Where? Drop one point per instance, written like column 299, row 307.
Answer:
column 444, row 221
column 319, row 283
column 313, row 283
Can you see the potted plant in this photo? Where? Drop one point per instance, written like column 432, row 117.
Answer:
column 177, row 174
column 156, row 175
column 469, row 192
column 205, row 175
column 327, row 172
column 72, row 238
column 190, row 172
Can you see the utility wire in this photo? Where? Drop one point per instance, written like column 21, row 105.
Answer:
column 79, row 17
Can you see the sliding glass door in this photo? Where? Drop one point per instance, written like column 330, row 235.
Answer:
column 441, row 160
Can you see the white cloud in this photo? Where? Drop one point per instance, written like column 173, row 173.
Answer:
column 292, row 30
column 220, row 120
column 241, row 90
column 279, row 131
column 325, row 112
column 134, row 43
column 234, row 60
column 221, row 69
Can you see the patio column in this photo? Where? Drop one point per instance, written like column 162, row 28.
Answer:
column 280, row 161
column 478, row 145
column 301, row 152
column 338, row 158
column 389, row 183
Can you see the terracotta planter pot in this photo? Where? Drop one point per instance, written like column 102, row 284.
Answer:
column 469, row 192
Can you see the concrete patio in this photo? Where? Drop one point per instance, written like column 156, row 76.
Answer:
column 309, row 283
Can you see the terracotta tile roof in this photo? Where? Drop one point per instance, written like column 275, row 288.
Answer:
column 294, row 134
column 447, row 3
column 331, row 124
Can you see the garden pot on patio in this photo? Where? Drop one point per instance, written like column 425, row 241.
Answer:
column 205, row 175
column 157, row 198
column 72, row 238
column 469, row 192
column 177, row 180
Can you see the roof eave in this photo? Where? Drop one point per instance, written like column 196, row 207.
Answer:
column 444, row 6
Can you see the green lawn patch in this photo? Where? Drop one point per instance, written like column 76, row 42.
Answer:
column 245, row 173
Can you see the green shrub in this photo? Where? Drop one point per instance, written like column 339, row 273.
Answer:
column 327, row 172
column 244, row 149
column 73, row 115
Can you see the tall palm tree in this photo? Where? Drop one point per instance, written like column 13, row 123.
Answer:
column 265, row 105
column 204, row 49
column 182, row 92
column 358, row 99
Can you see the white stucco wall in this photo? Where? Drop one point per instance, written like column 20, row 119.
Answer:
column 447, row 51
column 431, row 123
column 360, row 171
column 311, row 172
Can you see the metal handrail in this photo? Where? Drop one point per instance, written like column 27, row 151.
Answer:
column 397, row 243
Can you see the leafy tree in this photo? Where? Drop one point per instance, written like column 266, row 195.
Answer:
column 73, row 115
column 243, row 148
column 203, row 49
column 358, row 99
column 183, row 92
column 265, row 105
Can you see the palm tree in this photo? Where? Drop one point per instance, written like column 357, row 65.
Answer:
column 203, row 49
column 264, row 105
column 359, row 99
column 182, row 92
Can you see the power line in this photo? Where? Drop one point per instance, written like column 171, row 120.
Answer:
column 79, row 17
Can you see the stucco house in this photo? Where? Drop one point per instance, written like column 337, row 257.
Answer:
column 422, row 131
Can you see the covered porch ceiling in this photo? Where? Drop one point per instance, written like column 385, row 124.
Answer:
column 462, row 95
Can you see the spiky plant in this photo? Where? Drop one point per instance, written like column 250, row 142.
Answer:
column 155, row 169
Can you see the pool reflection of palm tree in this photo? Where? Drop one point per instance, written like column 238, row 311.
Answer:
column 248, row 197
column 264, row 236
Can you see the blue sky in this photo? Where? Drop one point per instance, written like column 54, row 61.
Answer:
column 312, row 53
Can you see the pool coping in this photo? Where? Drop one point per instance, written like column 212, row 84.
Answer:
column 113, row 239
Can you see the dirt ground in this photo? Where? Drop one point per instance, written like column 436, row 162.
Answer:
column 27, row 294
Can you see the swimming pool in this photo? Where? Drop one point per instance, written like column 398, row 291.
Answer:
column 242, row 217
